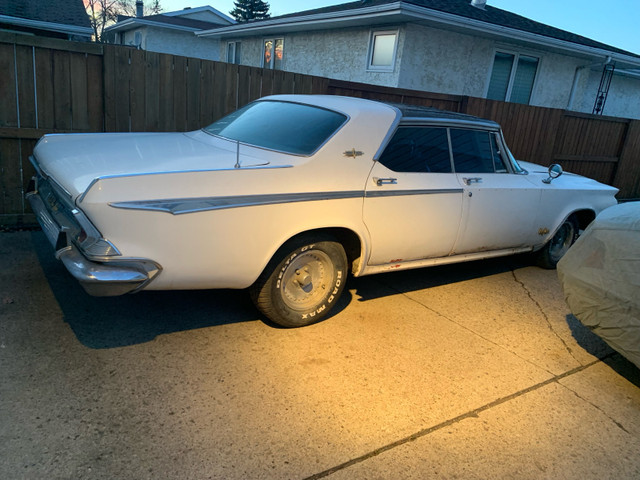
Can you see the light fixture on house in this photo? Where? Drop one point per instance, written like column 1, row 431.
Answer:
column 479, row 4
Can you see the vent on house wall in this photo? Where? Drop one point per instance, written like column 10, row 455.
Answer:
column 479, row 4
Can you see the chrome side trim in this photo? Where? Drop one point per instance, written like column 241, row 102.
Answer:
column 402, row 193
column 180, row 206
column 142, row 174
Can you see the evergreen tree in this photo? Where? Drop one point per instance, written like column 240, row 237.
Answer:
column 246, row 10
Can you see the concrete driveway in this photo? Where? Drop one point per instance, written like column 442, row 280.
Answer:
column 466, row 371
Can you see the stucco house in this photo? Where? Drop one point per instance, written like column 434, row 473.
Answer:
column 463, row 47
column 66, row 19
column 171, row 32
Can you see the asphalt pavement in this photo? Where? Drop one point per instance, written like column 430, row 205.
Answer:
column 467, row 371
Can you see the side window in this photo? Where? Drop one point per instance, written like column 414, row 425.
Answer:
column 472, row 151
column 498, row 162
column 418, row 149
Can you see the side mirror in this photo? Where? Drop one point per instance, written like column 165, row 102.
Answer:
column 555, row 171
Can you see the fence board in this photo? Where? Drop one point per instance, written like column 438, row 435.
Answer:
column 26, row 87
column 152, row 92
column 207, row 94
column 62, row 82
column 193, row 94
column 627, row 177
column 8, row 99
column 137, row 91
column 10, row 181
column 122, row 78
column 179, row 122
column 79, row 92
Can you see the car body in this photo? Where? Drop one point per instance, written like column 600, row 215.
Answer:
column 600, row 277
column 292, row 192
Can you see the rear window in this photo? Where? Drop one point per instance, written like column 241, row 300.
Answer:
column 282, row 126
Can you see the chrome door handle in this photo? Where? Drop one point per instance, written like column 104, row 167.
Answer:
column 385, row 181
column 469, row 181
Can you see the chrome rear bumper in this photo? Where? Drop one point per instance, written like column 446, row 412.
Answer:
column 113, row 276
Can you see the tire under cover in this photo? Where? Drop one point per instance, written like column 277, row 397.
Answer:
column 600, row 277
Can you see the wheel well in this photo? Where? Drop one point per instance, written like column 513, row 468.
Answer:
column 347, row 238
column 585, row 217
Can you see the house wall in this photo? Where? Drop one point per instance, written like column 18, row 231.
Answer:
column 175, row 42
column 445, row 62
column 623, row 99
column 341, row 54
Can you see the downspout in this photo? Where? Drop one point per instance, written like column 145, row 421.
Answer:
column 578, row 74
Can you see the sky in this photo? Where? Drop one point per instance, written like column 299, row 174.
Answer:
column 614, row 22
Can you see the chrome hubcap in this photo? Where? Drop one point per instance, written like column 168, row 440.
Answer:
column 306, row 279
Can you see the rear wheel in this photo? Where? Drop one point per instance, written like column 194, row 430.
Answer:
column 302, row 282
column 553, row 251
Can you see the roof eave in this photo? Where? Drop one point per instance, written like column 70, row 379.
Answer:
column 54, row 27
column 132, row 23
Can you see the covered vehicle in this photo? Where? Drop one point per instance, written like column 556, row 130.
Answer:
column 600, row 276
column 291, row 193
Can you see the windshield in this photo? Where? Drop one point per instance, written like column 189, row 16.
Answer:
column 282, row 126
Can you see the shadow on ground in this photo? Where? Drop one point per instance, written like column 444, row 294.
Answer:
column 110, row 322
column 597, row 347
column 392, row 283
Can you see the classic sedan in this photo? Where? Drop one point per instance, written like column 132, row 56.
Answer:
column 292, row 193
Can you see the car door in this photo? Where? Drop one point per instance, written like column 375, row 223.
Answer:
column 500, row 206
column 413, row 202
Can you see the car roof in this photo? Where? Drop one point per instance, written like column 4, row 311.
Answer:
column 435, row 115
column 405, row 113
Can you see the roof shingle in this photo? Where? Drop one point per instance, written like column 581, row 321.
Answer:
column 66, row 12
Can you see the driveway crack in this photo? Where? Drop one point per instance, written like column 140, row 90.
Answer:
column 544, row 315
column 615, row 422
column 471, row 414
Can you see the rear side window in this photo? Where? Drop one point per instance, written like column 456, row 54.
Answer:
column 472, row 151
column 282, row 126
column 418, row 149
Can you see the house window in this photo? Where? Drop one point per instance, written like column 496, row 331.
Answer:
column 234, row 50
column 382, row 50
column 273, row 54
column 512, row 77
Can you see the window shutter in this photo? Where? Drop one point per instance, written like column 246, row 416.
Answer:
column 500, row 75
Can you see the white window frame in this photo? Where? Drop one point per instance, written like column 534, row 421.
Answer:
column 372, row 36
column 273, row 63
column 235, row 49
column 516, row 57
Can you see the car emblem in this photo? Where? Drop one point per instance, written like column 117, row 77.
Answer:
column 353, row 153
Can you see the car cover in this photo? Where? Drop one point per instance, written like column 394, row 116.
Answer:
column 600, row 276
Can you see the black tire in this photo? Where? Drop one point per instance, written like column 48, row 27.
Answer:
column 553, row 251
column 302, row 282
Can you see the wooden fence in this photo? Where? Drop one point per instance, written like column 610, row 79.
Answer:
column 55, row 86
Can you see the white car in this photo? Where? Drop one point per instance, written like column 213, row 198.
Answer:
column 290, row 194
